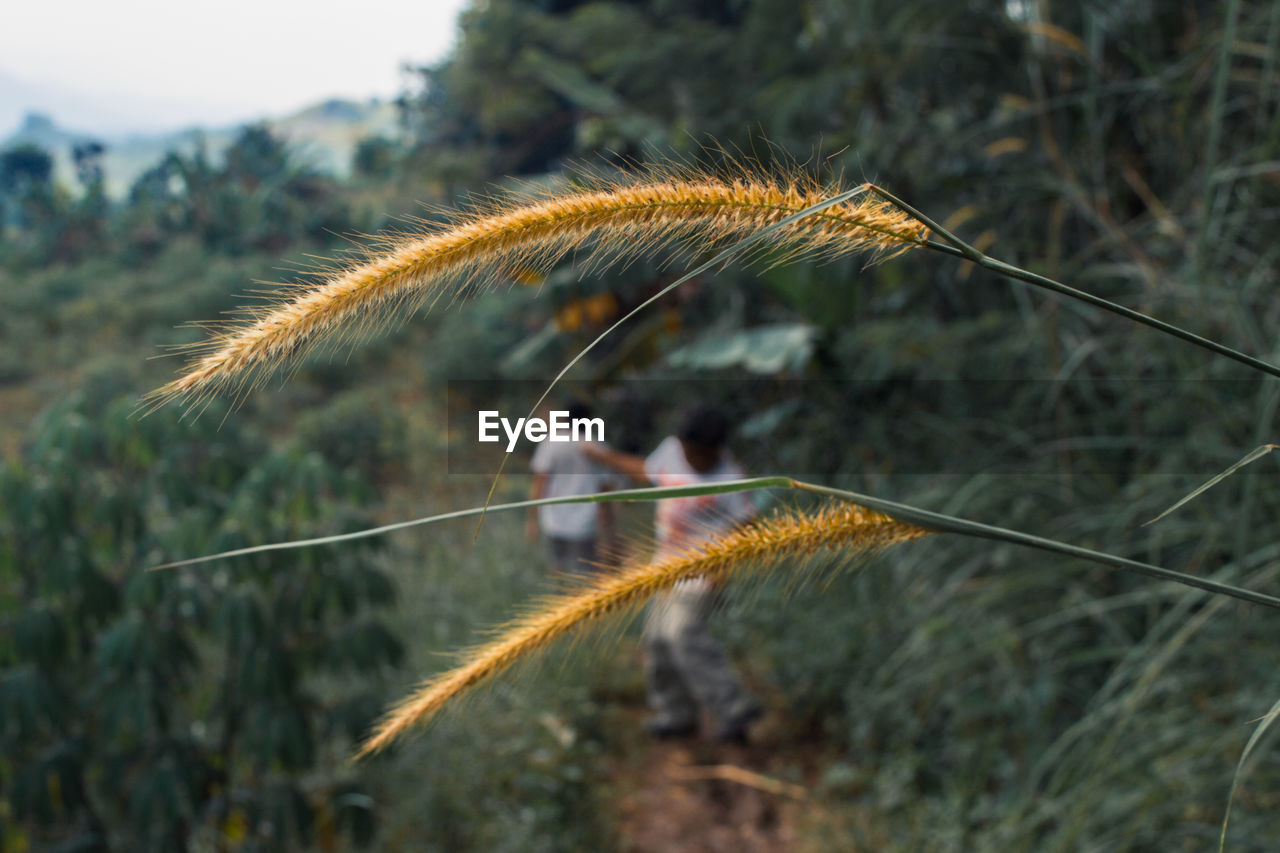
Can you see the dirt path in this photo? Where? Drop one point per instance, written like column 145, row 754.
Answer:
column 695, row 794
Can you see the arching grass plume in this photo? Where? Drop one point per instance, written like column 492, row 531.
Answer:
column 759, row 546
column 605, row 222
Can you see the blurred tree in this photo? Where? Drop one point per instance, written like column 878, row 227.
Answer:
column 260, row 198
column 154, row 209
column 26, row 179
column 25, row 169
column 375, row 157
column 33, row 207
column 256, row 156
column 86, row 224
column 87, row 157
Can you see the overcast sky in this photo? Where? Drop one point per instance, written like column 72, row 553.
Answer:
column 118, row 65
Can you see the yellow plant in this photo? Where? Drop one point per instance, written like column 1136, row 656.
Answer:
column 520, row 234
column 761, row 545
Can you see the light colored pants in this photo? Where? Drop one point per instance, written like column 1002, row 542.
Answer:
column 686, row 668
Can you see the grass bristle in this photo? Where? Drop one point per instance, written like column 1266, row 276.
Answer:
column 756, row 547
column 603, row 220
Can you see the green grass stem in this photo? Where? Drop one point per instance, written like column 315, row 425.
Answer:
column 937, row 522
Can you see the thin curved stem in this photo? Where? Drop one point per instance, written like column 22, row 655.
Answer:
column 961, row 249
column 952, row 524
column 722, row 257
column 936, row 522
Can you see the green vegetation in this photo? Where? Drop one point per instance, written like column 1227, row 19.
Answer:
column 146, row 711
column 947, row 697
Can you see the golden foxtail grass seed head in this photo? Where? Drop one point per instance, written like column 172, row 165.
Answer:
column 756, row 547
column 605, row 220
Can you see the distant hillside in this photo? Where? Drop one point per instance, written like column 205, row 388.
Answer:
column 324, row 135
column 19, row 96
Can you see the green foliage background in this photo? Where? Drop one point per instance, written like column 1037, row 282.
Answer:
column 956, row 697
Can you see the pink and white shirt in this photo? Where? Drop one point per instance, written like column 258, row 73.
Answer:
column 684, row 523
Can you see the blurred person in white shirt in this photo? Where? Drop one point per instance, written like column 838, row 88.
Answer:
column 576, row 535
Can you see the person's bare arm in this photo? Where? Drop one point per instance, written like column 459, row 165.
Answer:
column 623, row 463
column 537, row 491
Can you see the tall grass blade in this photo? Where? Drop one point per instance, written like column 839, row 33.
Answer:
column 951, row 524
column 933, row 521
column 1225, row 47
column 961, row 249
column 1252, row 456
column 618, row 496
column 1254, row 739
